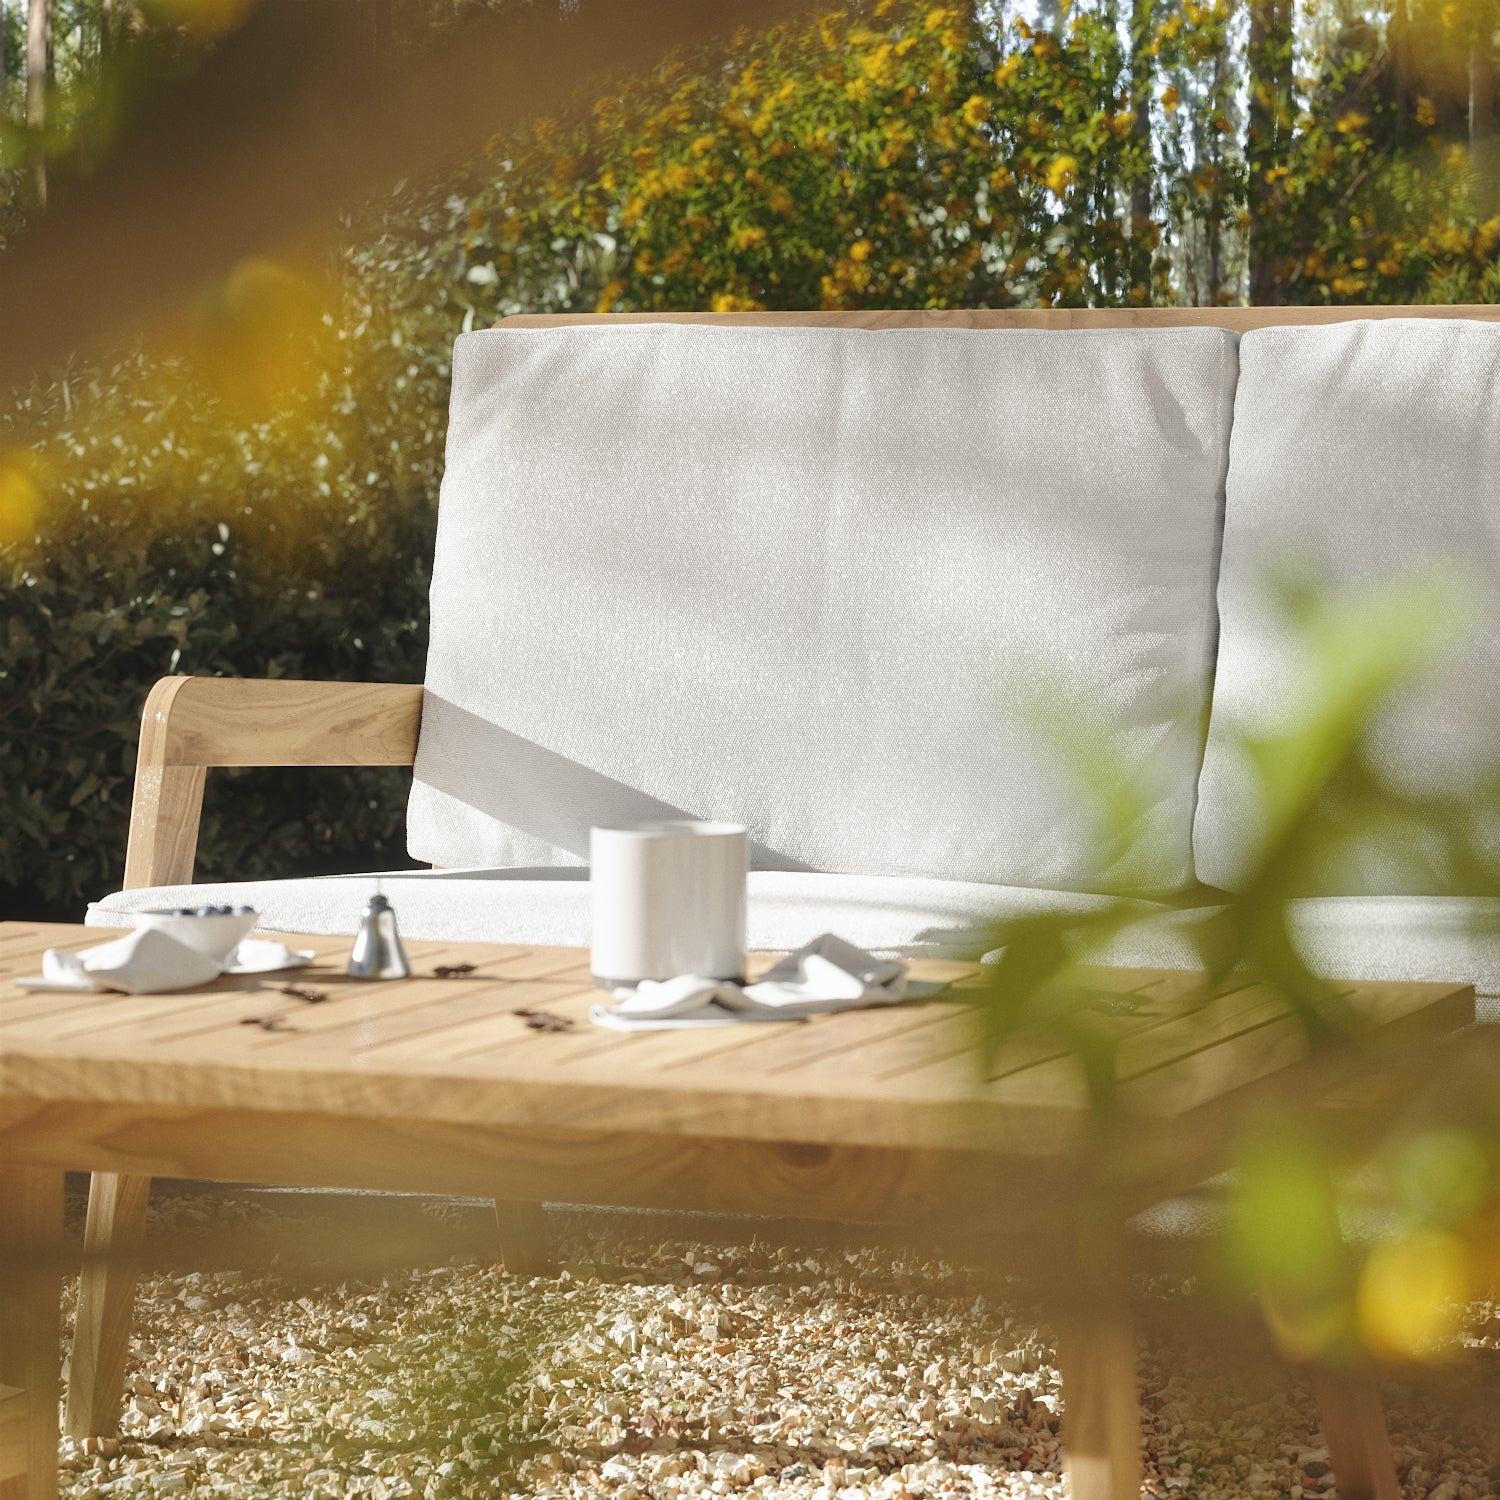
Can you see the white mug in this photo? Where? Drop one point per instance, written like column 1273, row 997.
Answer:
column 668, row 899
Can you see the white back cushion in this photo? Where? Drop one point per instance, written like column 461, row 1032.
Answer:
column 821, row 582
column 1360, row 450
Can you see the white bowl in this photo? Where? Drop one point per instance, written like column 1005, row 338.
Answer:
column 214, row 937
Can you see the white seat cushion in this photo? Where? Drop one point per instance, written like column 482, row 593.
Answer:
column 826, row 583
column 1421, row 939
column 938, row 918
column 1360, row 450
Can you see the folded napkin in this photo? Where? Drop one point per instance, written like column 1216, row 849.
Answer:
column 828, row 974
column 148, row 961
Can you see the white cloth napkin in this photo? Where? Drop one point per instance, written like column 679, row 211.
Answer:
column 828, row 974
column 147, row 961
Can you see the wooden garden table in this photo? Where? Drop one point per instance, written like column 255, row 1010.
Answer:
column 435, row 1084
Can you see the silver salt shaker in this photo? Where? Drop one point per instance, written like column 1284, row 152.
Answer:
column 378, row 953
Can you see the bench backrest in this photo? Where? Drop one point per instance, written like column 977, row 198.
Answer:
column 880, row 599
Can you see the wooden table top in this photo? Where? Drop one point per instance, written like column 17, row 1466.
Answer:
column 454, row 1050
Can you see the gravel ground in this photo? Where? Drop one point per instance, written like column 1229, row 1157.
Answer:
column 672, row 1368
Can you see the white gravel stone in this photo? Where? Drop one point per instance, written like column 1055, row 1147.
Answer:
column 676, row 1372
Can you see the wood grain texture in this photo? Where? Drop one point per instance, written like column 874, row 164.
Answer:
column 1353, row 1422
column 112, row 1241
column 31, row 1201
column 1096, row 1359
column 13, row 1439
column 453, row 1051
column 190, row 723
column 1236, row 319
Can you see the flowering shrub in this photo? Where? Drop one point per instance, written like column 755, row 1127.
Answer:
column 884, row 160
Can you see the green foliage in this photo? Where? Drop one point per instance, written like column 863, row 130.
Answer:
column 183, row 523
column 889, row 158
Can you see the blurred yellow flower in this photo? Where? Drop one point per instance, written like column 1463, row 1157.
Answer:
column 609, row 294
column 20, row 498
column 1170, row 99
column 975, row 111
column 704, row 144
column 1008, row 69
column 1426, row 114
column 1061, row 173
column 860, row 250
column 752, row 237
column 1410, row 1295
column 1351, row 121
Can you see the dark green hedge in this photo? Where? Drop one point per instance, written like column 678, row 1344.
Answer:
column 81, row 642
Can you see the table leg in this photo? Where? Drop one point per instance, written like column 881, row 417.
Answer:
column 106, row 1300
column 1101, row 1403
column 524, row 1250
column 1353, row 1422
column 31, row 1200
column 1096, row 1353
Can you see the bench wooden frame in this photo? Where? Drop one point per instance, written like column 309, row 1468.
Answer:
column 191, row 724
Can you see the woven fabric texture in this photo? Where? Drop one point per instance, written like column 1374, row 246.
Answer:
column 1361, row 452
column 880, row 596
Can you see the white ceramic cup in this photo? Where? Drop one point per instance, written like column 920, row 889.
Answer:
column 667, row 899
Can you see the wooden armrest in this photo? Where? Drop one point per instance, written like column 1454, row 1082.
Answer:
column 191, row 723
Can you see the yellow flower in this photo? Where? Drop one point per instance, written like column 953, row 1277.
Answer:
column 1351, row 121
column 20, row 499
column 635, row 206
column 608, row 295
column 678, row 178
column 1170, row 99
column 642, row 158
column 975, row 111
column 1061, row 173
column 936, row 17
column 749, row 238
column 1007, row 70
column 704, row 144
column 860, row 250
column 1426, row 114
column 780, row 201
column 1410, row 1293
column 858, row 89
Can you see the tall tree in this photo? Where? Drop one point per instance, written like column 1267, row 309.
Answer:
column 1142, row 76
column 1482, row 101
column 38, row 69
column 1268, row 135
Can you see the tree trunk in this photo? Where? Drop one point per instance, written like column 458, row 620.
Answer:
column 1398, row 46
column 1482, row 103
column 38, row 59
column 1141, row 78
column 1269, row 135
column 106, row 29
